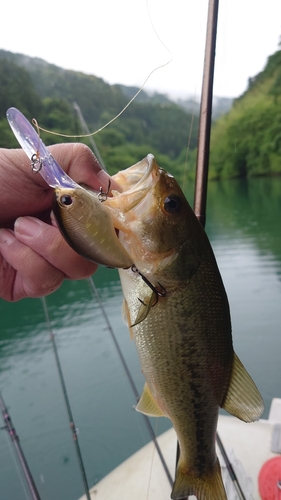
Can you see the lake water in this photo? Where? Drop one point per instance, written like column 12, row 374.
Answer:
column 245, row 230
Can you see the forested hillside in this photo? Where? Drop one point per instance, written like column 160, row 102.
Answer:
column 151, row 124
column 247, row 140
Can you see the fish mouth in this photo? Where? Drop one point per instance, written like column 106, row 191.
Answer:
column 135, row 182
column 138, row 177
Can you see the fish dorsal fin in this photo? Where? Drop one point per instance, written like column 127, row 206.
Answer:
column 145, row 306
column 243, row 399
column 126, row 317
column 148, row 405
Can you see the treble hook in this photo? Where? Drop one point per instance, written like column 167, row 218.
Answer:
column 36, row 163
column 102, row 196
column 159, row 293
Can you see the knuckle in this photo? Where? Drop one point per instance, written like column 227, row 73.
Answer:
column 52, row 282
column 46, row 281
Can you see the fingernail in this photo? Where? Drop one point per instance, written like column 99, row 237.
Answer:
column 7, row 236
column 28, row 226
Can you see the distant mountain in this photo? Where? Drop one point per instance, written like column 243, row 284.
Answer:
column 144, row 96
column 55, row 87
column 152, row 123
column 221, row 105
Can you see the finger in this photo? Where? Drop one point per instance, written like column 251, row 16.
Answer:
column 48, row 242
column 26, row 193
column 24, row 273
column 76, row 159
column 21, row 192
column 81, row 165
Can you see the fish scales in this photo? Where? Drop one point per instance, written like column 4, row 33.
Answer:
column 183, row 337
column 184, row 340
column 192, row 373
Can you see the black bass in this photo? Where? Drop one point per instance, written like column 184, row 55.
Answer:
column 184, row 338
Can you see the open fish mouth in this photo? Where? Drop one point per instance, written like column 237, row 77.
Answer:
column 135, row 182
column 138, row 177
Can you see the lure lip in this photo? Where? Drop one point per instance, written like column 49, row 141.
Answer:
column 31, row 143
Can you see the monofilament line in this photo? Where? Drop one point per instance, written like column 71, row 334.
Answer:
column 81, row 136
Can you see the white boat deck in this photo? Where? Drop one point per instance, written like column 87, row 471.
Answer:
column 142, row 477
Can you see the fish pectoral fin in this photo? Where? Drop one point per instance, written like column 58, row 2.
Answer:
column 148, row 405
column 242, row 399
column 126, row 317
column 145, row 306
column 204, row 487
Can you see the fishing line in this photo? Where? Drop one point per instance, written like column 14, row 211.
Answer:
column 91, row 139
column 151, row 465
column 152, row 460
column 24, row 472
column 202, row 163
column 187, row 150
column 18, row 471
column 83, row 136
column 230, row 469
column 130, row 378
column 73, row 428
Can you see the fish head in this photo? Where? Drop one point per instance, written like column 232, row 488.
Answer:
column 156, row 224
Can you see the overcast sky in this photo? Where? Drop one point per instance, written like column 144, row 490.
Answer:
column 114, row 39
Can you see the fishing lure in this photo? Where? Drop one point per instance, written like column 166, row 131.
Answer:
column 41, row 159
column 78, row 211
column 98, row 242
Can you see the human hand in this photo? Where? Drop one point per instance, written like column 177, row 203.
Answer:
column 34, row 257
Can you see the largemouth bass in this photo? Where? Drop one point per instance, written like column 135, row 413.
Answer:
column 184, row 338
column 182, row 332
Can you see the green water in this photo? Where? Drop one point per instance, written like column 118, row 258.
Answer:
column 244, row 228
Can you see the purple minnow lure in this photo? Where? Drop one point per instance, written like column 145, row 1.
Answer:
column 31, row 143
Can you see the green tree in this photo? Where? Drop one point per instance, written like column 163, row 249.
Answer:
column 247, row 141
column 17, row 90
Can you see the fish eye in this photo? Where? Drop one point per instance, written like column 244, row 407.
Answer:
column 66, row 200
column 172, row 204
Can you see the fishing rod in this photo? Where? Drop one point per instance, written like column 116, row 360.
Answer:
column 87, row 131
column 16, row 442
column 202, row 163
column 205, row 116
column 73, row 428
column 200, row 200
column 230, row 469
column 131, row 380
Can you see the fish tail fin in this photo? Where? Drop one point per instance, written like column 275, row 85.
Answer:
column 204, row 487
